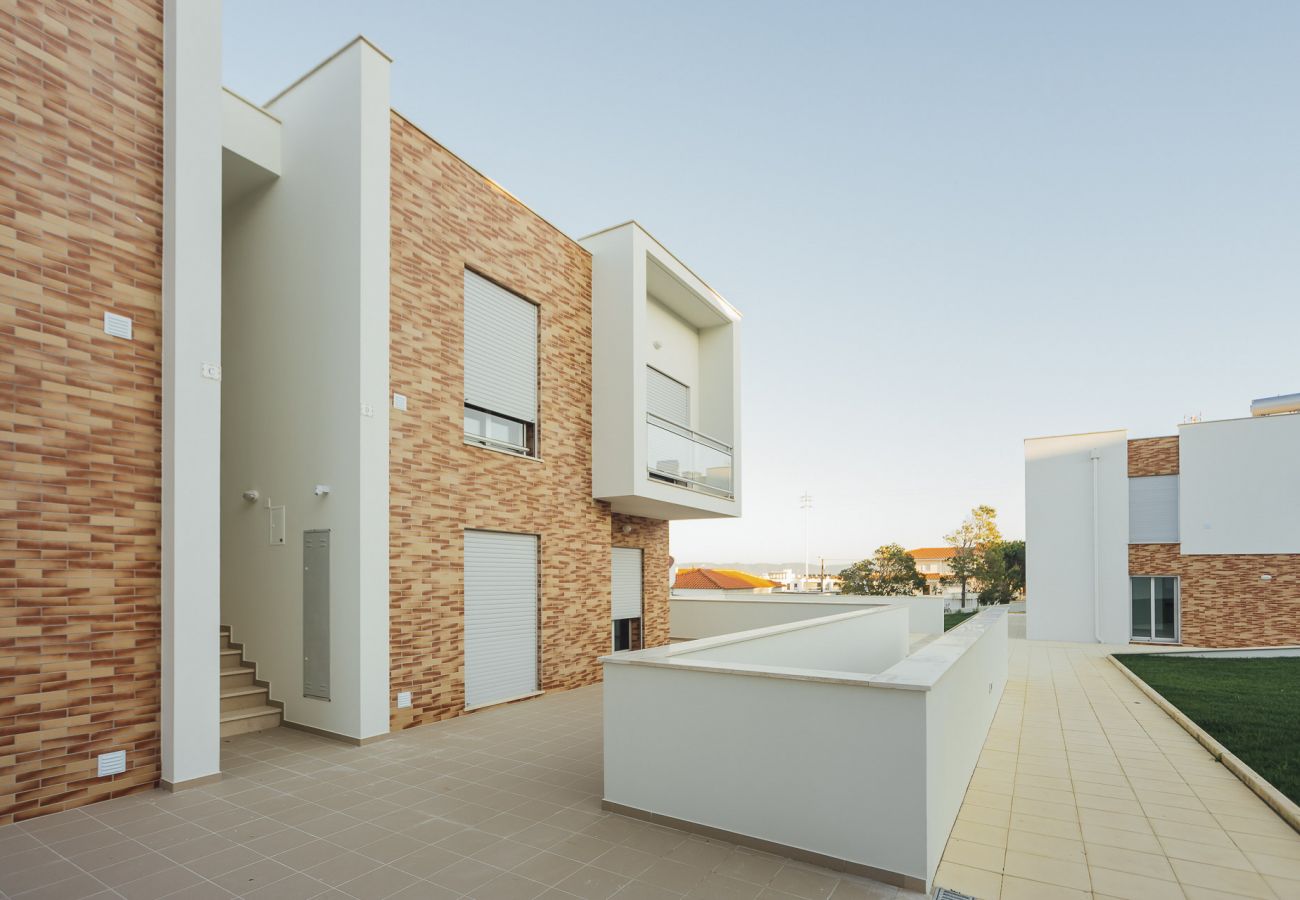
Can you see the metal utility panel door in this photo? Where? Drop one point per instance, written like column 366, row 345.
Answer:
column 500, row 616
column 625, row 582
column 316, row 614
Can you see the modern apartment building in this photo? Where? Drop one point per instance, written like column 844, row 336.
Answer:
column 306, row 419
column 1192, row 538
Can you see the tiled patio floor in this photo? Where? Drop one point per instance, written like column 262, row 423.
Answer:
column 501, row 804
column 1085, row 788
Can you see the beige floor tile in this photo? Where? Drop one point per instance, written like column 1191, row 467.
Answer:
column 1275, row 846
column 1283, row 887
column 1047, row 869
column 1121, row 859
column 983, row 815
column 1220, row 878
column 1270, row 826
column 1065, row 812
column 1052, row 827
column 1087, row 800
column 1214, row 854
column 976, row 882
column 979, row 856
column 1117, row 837
column 1281, row 866
column 1014, row 888
column 980, row 834
column 1120, row 821
column 1178, row 814
column 1046, row 845
column 1128, row 886
column 1199, row 834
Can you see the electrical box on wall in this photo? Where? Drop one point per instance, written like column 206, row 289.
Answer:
column 277, row 524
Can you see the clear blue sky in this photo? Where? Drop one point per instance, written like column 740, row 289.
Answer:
column 949, row 225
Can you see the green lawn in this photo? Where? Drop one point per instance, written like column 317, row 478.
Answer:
column 952, row 620
column 1251, row 706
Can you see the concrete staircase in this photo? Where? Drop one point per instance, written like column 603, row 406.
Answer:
column 246, row 705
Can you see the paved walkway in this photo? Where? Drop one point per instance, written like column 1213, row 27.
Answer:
column 1087, row 789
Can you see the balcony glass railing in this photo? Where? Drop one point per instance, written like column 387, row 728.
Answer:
column 680, row 456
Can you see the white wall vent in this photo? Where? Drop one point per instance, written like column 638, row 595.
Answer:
column 112, row 763
column 117, row 326
column 404, row 700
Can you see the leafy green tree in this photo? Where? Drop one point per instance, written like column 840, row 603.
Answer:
column 1001, row 571
column 856, row 579
column 895, row 572
column 977, row 532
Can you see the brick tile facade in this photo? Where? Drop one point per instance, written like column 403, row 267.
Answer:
column 1224, row 602
column 80, row 212
column 1153, row 456
column 446, row 217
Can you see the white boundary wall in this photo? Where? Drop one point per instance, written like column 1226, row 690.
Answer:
column 691, row 618
column 869, row 769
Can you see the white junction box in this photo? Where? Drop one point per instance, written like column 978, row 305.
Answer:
column 399, row 401
column 112, row 763
column 404, row 700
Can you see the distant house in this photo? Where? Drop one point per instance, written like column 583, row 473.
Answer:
column 720, row 583
column 789, row 581
column 934, row 564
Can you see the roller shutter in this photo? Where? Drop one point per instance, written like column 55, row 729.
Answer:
column 667, row 398
column 500, row 616
column 500, row 350
column 626, row 582
column 1153, row 509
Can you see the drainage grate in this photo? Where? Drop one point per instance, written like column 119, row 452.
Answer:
column 943, row 893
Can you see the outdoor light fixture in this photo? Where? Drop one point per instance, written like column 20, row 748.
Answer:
column 251, row 495
column 322, row 489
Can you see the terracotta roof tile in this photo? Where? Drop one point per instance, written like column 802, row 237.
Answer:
column 719, row 579
column 932, row 553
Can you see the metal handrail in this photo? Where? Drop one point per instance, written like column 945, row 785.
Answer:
column 669, row 425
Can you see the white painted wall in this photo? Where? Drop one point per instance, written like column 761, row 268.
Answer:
column 765, row 752
column 191, row 573
column 678, row 353
column 621, row 348
column 1059, row 537
column 306, row 332
column 692, row 617
column 696, row 614
column 866, row 644
column 1240, row 485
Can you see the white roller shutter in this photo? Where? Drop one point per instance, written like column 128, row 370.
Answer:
column 500, row 616
column 500, row 350
column 1153, row 509
column 625, row 579
column 667, row 398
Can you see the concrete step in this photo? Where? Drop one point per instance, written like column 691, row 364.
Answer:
column 241, row 676
column 242, row 697
column 231, row 659
column 245, row 721
column 225, row 639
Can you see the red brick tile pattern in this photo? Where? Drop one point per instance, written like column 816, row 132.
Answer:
column 446, row 217
column 80, row 412
column 1153, row 456
column 1224, row 602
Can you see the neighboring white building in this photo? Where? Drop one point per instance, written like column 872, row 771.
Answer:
column 792, row 582
column 1193, row 538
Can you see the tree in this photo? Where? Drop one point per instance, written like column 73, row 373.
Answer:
column 895, row 572
column 856, row 579
column 1001, row 571
column 969, row 540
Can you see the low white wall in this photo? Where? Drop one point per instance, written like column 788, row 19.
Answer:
column 859, row 643
column 692, row 617
column 882, row 760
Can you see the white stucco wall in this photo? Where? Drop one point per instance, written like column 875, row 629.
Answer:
column 866, row 644
column 621, row 350
column 1239, row 485
column 701, row 615
column 191, row 414
column 306, row 330
column 678, row 353
column 1059, row 537
column 869, row 769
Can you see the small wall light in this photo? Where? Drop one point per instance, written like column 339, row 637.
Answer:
column 322, row 489
column 659, row 345
column 251, row 495
column 1266, row 578
column 627, row 529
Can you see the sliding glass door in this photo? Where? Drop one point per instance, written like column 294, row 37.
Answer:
column 1155, row 608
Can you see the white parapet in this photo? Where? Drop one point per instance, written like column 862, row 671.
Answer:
column 691, row 618
column 822, row 738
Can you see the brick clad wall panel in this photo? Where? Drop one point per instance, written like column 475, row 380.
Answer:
column 446, row 217
column 80, row 412
column 1153, row 456
column 1224, row 602
column 651, row 536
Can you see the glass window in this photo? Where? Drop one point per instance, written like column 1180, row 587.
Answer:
column 1155, row 608
column 1142, row 608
